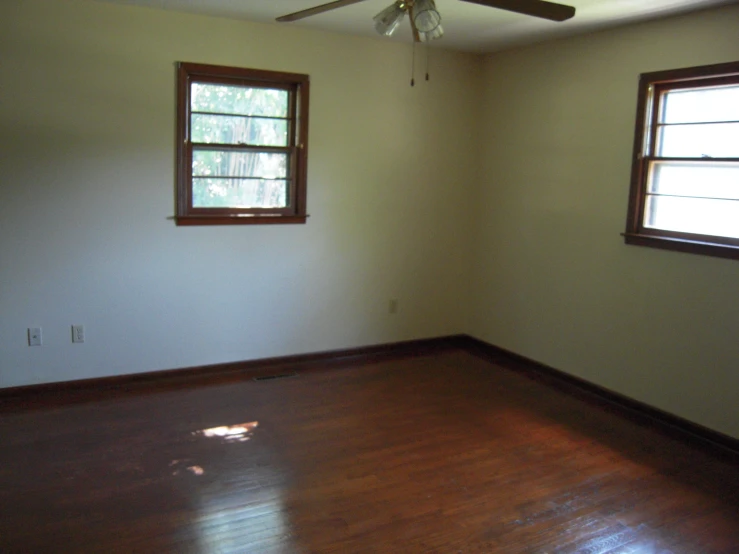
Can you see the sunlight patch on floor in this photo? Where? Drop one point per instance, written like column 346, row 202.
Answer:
column 233, row 433
column 177, row 467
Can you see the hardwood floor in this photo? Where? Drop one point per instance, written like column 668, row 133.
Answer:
column 443, row 453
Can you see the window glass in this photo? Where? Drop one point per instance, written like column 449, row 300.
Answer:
column 241, row 100
column 701, row 105
column 226, row 129
column 239, row 193
column 712, row 140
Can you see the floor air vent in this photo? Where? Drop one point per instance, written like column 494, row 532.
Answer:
column 277, row 376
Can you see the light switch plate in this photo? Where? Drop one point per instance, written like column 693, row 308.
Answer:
column 34, row 336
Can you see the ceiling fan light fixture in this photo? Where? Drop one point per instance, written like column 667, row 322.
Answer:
column 426, row 16
column 431, row 35
column 388, row 20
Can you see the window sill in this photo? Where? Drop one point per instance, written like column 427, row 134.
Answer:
column 190, row 220
column 683, row 245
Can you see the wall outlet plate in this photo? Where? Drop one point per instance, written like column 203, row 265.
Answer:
column 78, row 333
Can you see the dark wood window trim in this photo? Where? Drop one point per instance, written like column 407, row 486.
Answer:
column 651, row 87
column 298, row 88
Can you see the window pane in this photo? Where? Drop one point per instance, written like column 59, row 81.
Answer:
column 265, row 165
column 693, row 215
column 713, row 140
column 238, row 193
column 230, row 99
column 714, row 180
column 225, row 129
column 699, row 105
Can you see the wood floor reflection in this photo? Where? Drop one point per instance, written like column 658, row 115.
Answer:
column 439, row 453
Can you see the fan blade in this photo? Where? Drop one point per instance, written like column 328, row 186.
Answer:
column 537, row 8
column 318, row 9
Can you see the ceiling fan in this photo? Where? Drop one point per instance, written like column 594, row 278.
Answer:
column 426, row 20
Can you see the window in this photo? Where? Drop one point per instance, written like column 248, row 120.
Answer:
column 242, row 145
column 685, row 173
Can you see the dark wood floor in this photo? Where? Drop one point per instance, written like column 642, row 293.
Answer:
column 438, row 453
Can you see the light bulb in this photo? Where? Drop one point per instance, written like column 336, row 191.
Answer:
column 388, row 19
column 425, row 16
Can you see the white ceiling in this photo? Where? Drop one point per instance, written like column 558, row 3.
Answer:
column 468, row 27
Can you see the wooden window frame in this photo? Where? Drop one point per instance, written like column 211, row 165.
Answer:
column 298, row 87
column 652, row 87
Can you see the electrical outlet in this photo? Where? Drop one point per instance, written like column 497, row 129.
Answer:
column 392, row 306
column 78, row 333
column 34, row 336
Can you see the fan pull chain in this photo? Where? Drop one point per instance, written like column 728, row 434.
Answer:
column 413, row 65
column 427, row 62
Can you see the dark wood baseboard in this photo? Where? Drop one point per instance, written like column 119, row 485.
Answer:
column 52, row 394
column 635, row 410
column 63, row 392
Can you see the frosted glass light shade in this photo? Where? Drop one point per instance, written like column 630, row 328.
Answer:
column 432, row 35
column 426, row 17
column 388, row 19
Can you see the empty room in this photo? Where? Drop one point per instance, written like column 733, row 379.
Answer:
column 424, row 276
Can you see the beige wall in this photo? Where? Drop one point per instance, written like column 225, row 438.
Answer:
column 86, row 190
column 554, row 280
column 502, row 221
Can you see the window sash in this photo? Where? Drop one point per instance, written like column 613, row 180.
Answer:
column 646, row 216
column 289, row 118
column 290, row 177
column 684, row 204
